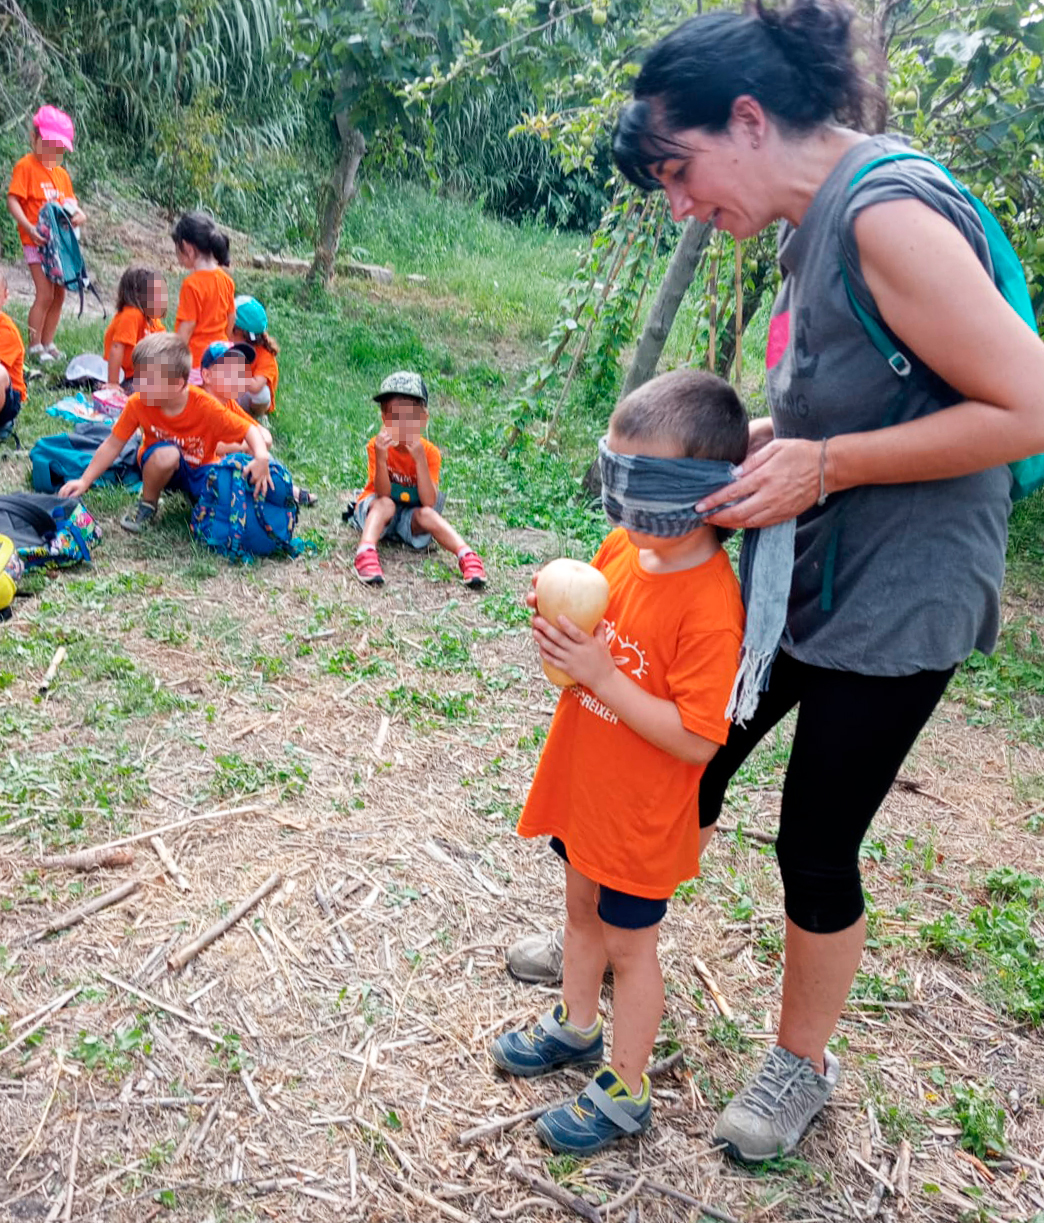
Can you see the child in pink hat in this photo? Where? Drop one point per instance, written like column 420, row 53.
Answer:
column 38, row 178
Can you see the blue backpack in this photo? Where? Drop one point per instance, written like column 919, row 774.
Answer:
column 60, row 255
column 229, row 519
column 1027, row 474
column 66, row 456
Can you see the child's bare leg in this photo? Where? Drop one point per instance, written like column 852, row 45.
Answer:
column 158, row 472
column 381, row 512
column 428, row 521
column 41, row 303
column 5, row 382
column 53, row 316
column 584, row 954
column 637, row 999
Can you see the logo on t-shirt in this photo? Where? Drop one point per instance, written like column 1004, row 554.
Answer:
column 627, row 654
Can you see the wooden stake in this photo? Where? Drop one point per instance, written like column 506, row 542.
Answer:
column 74, row 1158
column 720, row 1001
column 169, row 865
column 738, row 317
column 183, row 957
column 177, row 824
column 87, row 859
column 74, row 916
column 52, row 670
column 571, row 1201
column 712, row 291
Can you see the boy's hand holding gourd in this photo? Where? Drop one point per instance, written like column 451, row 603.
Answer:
column 582, row 656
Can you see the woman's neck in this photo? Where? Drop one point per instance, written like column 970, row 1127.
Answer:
column 806, row 162
column 204, row 263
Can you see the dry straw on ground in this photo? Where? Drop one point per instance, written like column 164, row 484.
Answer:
column 322, row 1057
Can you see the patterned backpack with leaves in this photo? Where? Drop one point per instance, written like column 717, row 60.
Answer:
column 48, row 531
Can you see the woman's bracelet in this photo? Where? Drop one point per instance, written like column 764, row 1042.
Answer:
column 822, row 473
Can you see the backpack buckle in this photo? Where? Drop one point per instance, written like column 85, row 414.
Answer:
column 900, row 365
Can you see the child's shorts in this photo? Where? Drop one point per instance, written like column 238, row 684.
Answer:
column 32, row 253
column 621, row 909
column 187, row 479
column 401, row 524
column 12, row 405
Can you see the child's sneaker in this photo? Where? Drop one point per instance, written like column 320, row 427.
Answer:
column 472, row 570
column 37, row 352
column 55, row 352
column 137, row 519
column 604, row 1112
column 547, row 1046
column 368, row 567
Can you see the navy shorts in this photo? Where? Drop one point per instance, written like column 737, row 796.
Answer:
column 12, row 405
column 621, row 909
column 186, row 479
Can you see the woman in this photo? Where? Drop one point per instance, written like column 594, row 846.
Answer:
column 899, row 485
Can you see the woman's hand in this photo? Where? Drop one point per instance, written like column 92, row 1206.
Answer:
column 584, row 657
column 778, row 481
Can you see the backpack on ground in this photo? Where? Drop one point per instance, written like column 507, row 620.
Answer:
column 61, row 256
column 229, row 519
column 11, row 569
column 1008, row 275
column 65, row 456
column 48, row 531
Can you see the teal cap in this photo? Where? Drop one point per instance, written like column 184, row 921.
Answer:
column 251, row 317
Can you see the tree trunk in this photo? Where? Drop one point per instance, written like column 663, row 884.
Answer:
column 678, row 277
column 339, row 193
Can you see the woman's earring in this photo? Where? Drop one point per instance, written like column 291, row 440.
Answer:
column 755, row 143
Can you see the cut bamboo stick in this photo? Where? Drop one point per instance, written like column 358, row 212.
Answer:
column 74, row 916
column 177, row 824
column 183, row 957
column 169, row 865
column 87, row 859
column 52, row 670
column 720, row 1001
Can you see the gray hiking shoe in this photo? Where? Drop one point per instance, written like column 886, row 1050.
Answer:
column 768, row 1117
column 137, row 519
column 537, row 958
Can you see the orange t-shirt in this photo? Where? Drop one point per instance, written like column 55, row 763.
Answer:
column 627, row 811
column 33, row 185
column 265, row 367
column 207, row 298
column 12, row 352
column 401, row 467
column 128, row 326
column 196, row 429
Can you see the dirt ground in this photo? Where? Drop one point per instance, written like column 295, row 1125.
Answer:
column 325, row 1056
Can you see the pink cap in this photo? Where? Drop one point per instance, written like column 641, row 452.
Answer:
column 54, row 126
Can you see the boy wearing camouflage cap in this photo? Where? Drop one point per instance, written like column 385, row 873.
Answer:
column 402, row 496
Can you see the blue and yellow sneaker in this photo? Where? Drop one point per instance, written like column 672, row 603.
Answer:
column 549, row 1045
column 604, row 1112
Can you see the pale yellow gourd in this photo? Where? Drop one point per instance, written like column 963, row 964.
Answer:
column 570, row 588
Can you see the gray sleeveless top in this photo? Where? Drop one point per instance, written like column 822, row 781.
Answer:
column 888, row 579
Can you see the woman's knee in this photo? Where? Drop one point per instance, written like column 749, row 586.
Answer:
column 822, row 886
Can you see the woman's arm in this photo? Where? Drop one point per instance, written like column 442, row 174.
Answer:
column 935, row 295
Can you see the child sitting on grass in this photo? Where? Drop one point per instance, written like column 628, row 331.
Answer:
column 182, row 426
column 401, row 496
column 141, row 303
column 251, row 327
column 206, row 303
column 617, row 785
column 12, row 361
column 223, row 368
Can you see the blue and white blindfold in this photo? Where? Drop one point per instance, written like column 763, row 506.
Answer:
column 658, row 496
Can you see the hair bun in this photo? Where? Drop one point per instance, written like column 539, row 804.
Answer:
column 817, row 40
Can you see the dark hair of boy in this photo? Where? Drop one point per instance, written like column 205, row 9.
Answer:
column 199, row 230
column 804, row 63
column 167, row 350
column 698, row 411
column 133, row 290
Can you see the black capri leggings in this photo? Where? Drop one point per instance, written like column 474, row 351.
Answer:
column 853, row 733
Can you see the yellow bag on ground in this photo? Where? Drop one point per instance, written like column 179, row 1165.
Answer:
column 11, row 569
